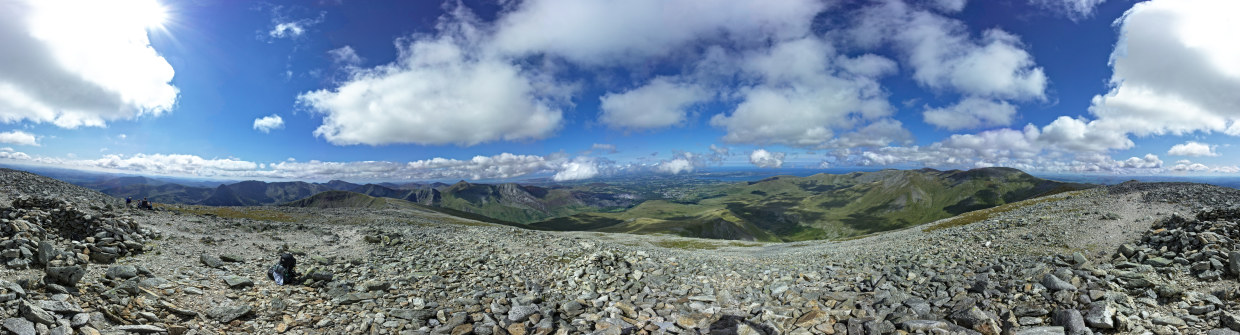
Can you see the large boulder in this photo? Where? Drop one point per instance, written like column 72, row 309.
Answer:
column 64, row 275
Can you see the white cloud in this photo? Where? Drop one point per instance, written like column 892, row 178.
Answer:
column 440, row 90
column 577, row 169
column 9, row 153
column 675, row 166
column 949, row 6
column 766, row 159
column 1196, row 91
column 660, row 103
column 1148, row 162
column 51, row 71
column 284, row 27
column 880, row 133
column 1190, row 167
column 19, row 137
column 971, row 112
column 345, row 56
column 801, row 98
column 602, row 32
column 943, row 55
column 1073, row 9
column 267, row 123
column 1079, row 135
column 501, row 166
column 1192, row 148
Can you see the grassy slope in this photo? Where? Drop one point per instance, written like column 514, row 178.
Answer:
column 822, row 206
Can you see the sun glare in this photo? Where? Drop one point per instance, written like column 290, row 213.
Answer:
column 150, row 13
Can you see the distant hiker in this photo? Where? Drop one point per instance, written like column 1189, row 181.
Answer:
column 283, row 273
column 128, row 201
column 144, row 204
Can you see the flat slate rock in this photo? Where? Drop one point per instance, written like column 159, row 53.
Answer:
column 19, row 326
column 141, row 329
column 238, row 282
column 226, row 314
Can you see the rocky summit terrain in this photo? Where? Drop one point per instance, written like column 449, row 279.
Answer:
column 1134, row 258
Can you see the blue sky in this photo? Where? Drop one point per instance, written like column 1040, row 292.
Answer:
column 575, row 89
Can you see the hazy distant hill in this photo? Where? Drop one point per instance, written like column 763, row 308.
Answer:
column 821, row 206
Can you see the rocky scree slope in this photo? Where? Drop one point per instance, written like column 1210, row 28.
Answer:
column 1135, row 258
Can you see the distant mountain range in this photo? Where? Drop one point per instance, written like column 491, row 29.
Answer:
column 509, row 202
column 781, row 208
column 822, row 206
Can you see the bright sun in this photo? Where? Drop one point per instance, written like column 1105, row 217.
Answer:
column 150, row 13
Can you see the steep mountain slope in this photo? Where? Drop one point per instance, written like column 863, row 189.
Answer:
column 821, row 206
column 340, row 199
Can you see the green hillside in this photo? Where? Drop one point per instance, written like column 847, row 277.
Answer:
column 340, row 199
column 822, row 206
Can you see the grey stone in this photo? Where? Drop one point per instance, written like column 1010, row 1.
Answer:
column 141, row 329
column 36, row 314
column 1159, row 262
column 19, row 326
column 412, row 314
column 1040, row 331
column 1053, row 283
column 64, row 275
column 1100, row 315
column 212, row 261
column 1233, row 260
column 231, row 258
column 79, row 319
column 1167, row 320
column 924, row 326
column 122, row 272
column 238, row 282
column 59, row 306
column 1230, row 320
column 1222, row 331
column 226, row 314
column 354, row 297
column 1070, row 319
column 45, row 254
column 1127, row 250
column 521, row 313
column 377, row 285
column 13, row 288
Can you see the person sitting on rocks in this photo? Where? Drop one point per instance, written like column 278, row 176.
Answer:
column 128, row 201
column 283, row 272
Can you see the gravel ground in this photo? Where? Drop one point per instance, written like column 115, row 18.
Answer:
column 1132, row 258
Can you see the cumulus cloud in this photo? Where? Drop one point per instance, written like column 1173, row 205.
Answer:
column 345, row 56
column 599, row 32
column 53, row 72
column 501, row 166
column 1196, row 92
column 1192, row 148
column 971, row 112
column 440, row 90
column 1081, row 135
column 680, row 162
column 944, row 56
column 1072, row 9
column 267, row 123
column 660, row 103
column 19, row 137
column 9, row 153
column 766, row 159
column 801, row 96
column 1148, row 162
column 578, row 168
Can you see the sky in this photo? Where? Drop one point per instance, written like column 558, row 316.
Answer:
column 579, row 89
